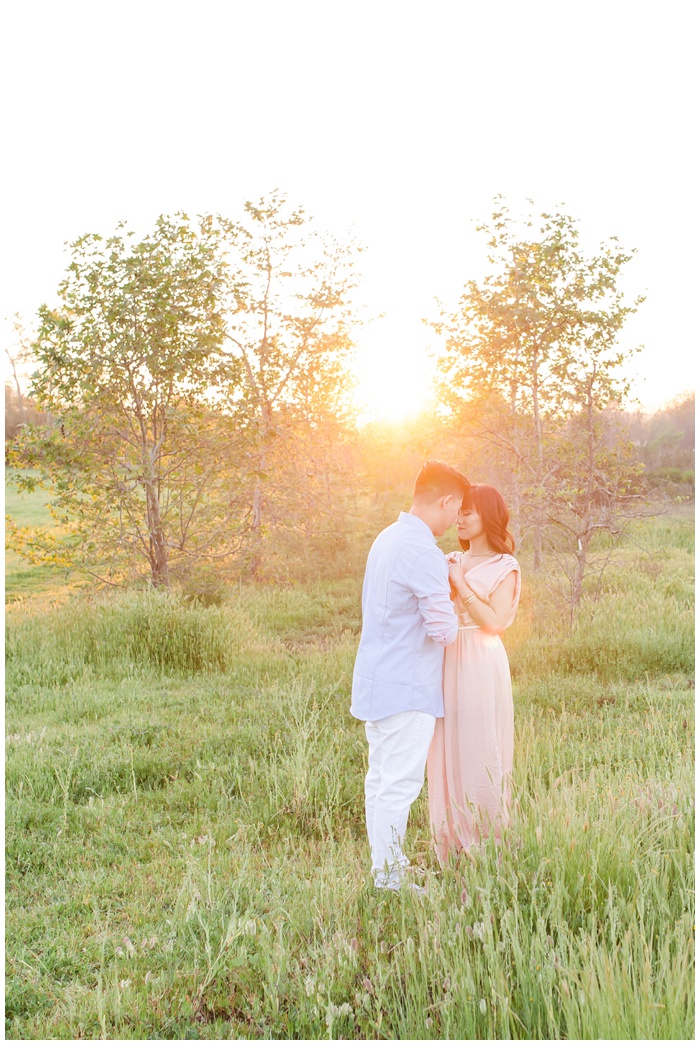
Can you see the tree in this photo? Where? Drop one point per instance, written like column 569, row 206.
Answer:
column 598, row 481
column 126, row 362
column 517, row 351
column 289, row 327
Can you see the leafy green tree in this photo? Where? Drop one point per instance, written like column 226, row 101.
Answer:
column 597, row 483
column 519, row 349
column 289, row 331
column 126, row 363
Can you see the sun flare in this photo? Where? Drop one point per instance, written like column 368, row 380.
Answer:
column 394, row 375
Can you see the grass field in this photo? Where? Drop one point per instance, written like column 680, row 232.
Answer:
column 22, row 578
column 186, row 854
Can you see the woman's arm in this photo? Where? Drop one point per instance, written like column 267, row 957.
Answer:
column 493, row 615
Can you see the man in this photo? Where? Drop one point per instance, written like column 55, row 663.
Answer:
column 407, row 619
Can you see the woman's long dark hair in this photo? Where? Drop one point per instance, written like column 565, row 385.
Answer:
column 488, row 502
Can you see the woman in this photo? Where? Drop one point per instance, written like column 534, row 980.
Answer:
column 471, row 756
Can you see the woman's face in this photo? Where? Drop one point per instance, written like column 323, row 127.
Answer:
column 469, row 524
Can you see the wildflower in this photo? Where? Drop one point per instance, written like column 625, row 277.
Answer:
column 482, row 1006
column 334, row 1011
column 429, row 1023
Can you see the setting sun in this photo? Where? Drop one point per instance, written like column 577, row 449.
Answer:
column 394, row 371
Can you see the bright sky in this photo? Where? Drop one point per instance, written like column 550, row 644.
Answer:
column 396, row 121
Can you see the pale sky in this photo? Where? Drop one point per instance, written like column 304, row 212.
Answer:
column 396, row 122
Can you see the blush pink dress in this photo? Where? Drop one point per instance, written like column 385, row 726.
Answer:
column 471, row 755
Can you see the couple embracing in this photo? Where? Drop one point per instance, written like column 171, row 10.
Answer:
column 431, row 678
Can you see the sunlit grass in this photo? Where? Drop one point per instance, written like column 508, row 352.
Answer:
column 186, row 853
column 22, row 578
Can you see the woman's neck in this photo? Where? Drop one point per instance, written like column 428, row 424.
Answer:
column 480, row 546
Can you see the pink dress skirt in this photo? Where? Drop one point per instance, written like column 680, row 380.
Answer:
column 471, row 756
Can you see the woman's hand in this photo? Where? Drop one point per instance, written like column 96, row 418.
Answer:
column 493, row 615
column 456, row 575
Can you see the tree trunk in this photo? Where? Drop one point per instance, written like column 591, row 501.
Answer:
column 539, row 453
column 160, row 574
column 584, row 539
column 515, row 509
column 537, row 542
column 256, row 526
column 579, row 573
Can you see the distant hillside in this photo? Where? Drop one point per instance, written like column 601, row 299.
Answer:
column 666, row 441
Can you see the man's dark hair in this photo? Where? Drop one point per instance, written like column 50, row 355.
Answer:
column 437, row 479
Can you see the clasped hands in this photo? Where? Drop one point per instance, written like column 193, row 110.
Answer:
column 456, row 575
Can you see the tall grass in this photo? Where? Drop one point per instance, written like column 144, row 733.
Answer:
column 140, row 631
column 186, row 853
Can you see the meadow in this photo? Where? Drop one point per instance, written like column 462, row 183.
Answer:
column 185, row 847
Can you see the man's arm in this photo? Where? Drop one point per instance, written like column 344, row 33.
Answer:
column 430, row 582
column 439, row 618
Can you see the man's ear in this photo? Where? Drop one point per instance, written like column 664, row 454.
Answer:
column 444, row 501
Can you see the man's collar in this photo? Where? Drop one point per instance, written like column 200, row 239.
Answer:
column 417, row 523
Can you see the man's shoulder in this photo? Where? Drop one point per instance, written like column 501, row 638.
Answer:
column 400, row 535
column 406, row 553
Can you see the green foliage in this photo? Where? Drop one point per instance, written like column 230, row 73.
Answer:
column 195, row 385
column 675, row 480
column 186, row 854
column 22, row 578
column 290, row 326
column 124, row 365
column 533, row 371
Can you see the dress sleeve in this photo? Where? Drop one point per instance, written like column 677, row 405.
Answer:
column 485, row 581
column 501, row 569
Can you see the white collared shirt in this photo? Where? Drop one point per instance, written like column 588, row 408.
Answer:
column 407, row 619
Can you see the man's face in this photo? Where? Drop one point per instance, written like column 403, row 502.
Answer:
column 450, row 510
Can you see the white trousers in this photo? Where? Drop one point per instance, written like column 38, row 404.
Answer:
column 398, row 751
